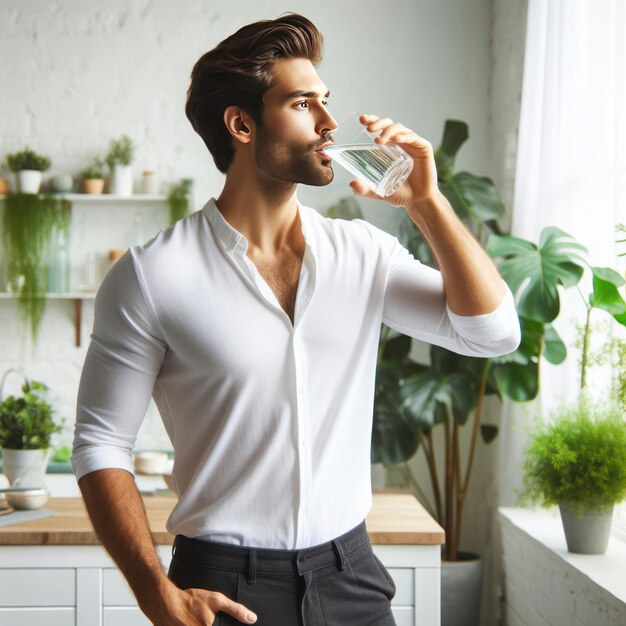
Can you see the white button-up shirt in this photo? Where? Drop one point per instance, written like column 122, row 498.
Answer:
column 270, row 421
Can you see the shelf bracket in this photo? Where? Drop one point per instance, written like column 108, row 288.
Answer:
column 78, row 314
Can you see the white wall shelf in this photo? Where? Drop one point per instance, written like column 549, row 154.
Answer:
column 106, row 197
column 76, row 298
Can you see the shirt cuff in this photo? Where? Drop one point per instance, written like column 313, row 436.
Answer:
column 501, row 324
column 88, row 459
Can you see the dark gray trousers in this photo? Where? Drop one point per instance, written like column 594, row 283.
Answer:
column 337, row 583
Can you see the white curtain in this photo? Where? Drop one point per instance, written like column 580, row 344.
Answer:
column 570, row 173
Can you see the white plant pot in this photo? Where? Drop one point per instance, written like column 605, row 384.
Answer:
column 121, row 181
column 461, row 588
column 27, row 466
column 29, row 181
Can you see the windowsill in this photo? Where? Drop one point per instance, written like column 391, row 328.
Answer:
column 608, row 571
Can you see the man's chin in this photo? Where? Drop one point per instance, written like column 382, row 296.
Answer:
column 315, row 180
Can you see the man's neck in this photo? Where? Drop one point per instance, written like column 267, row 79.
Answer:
column 269, row 221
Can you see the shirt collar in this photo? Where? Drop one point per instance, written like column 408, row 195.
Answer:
column 233, row 239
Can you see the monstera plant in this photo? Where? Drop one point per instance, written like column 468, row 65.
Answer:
column 413, row 398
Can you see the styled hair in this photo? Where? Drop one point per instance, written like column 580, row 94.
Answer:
column 238, row 71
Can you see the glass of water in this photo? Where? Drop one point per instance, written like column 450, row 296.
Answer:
column 382, row 167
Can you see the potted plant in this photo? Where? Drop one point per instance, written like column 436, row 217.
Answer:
column 577, row 459
column 421, row 407
column 28, row 167
column 93, row 177
column 26, row 425
column 119, row 159
column 178, row 199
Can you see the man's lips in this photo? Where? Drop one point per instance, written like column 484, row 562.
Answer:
column 321, row 150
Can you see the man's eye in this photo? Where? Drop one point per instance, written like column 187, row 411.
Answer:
column 304, row 102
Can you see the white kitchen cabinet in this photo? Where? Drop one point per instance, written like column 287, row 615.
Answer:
column 80, row 585
column 52, row 573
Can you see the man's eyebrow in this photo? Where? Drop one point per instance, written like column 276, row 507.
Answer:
column 298, row 93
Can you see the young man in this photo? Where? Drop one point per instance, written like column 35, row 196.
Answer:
column 254, row 324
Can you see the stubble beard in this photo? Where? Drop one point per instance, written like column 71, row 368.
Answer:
column 292, row 163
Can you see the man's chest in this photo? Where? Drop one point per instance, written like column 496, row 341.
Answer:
column 282, row 275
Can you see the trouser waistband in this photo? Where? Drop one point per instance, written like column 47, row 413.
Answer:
column 251, row 560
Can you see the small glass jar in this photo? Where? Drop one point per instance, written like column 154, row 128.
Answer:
column 149, row 182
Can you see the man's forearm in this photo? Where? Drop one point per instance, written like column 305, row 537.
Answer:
column 472, row 282
column 117, row 513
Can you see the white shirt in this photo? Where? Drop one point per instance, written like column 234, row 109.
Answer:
column 270, row 422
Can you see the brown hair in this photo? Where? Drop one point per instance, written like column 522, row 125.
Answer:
column 238, row 71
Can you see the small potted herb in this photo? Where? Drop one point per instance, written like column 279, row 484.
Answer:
column 93, row 177
column 178, row 199
column 28, row 167
column 119, row 159
column 578, row 461
column 26, row 425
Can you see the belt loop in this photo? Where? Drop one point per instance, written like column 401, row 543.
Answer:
column 339, row 549
column 251, row 566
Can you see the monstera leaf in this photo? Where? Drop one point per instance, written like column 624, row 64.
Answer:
column 605, row 293
column 554, row 262
column 426, row 396
column 393, row 439
column 473, row 197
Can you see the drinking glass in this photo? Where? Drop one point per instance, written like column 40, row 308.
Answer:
column 383, row 168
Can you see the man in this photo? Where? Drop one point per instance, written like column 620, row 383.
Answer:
column 254, row 324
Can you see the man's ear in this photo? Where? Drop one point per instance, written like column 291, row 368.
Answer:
column 239, row 124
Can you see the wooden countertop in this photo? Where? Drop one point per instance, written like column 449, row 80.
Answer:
column 396, row 517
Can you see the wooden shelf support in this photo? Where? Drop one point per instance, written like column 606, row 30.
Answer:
column 78, row 314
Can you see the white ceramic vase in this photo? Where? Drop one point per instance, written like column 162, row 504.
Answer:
column 29, row 181
column 25, row 466
column 121, row 181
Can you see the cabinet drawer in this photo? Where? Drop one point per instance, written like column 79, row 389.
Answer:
column 37, row 587
column 404, row 578
column 40, row 617
column 115, row 589
column 404, row 615
column 114, row 616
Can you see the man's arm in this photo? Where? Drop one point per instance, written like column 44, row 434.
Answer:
column 473, row 285
column 118, row 515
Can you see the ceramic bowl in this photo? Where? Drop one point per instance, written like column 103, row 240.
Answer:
column 151, row 462
column 27, row 499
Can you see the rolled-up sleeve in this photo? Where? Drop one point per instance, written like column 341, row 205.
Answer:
column 415, row 305
column 120, row 368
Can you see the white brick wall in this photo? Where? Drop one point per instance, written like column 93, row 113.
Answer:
column 76, row 73
column 547, row 586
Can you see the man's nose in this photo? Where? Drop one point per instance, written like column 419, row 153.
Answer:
column 328, row 125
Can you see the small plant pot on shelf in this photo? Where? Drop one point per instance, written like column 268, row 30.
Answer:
column 589, row 532
column 94, row 186
column 29, row 181
column 121, row 180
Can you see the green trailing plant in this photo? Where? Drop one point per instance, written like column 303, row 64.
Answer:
column 27, row 422
column 29, row 222
column 27, row 159
column 121, row 151
column 95, row 170
column 179, row 199
column 448, row 392
column 578, row 456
